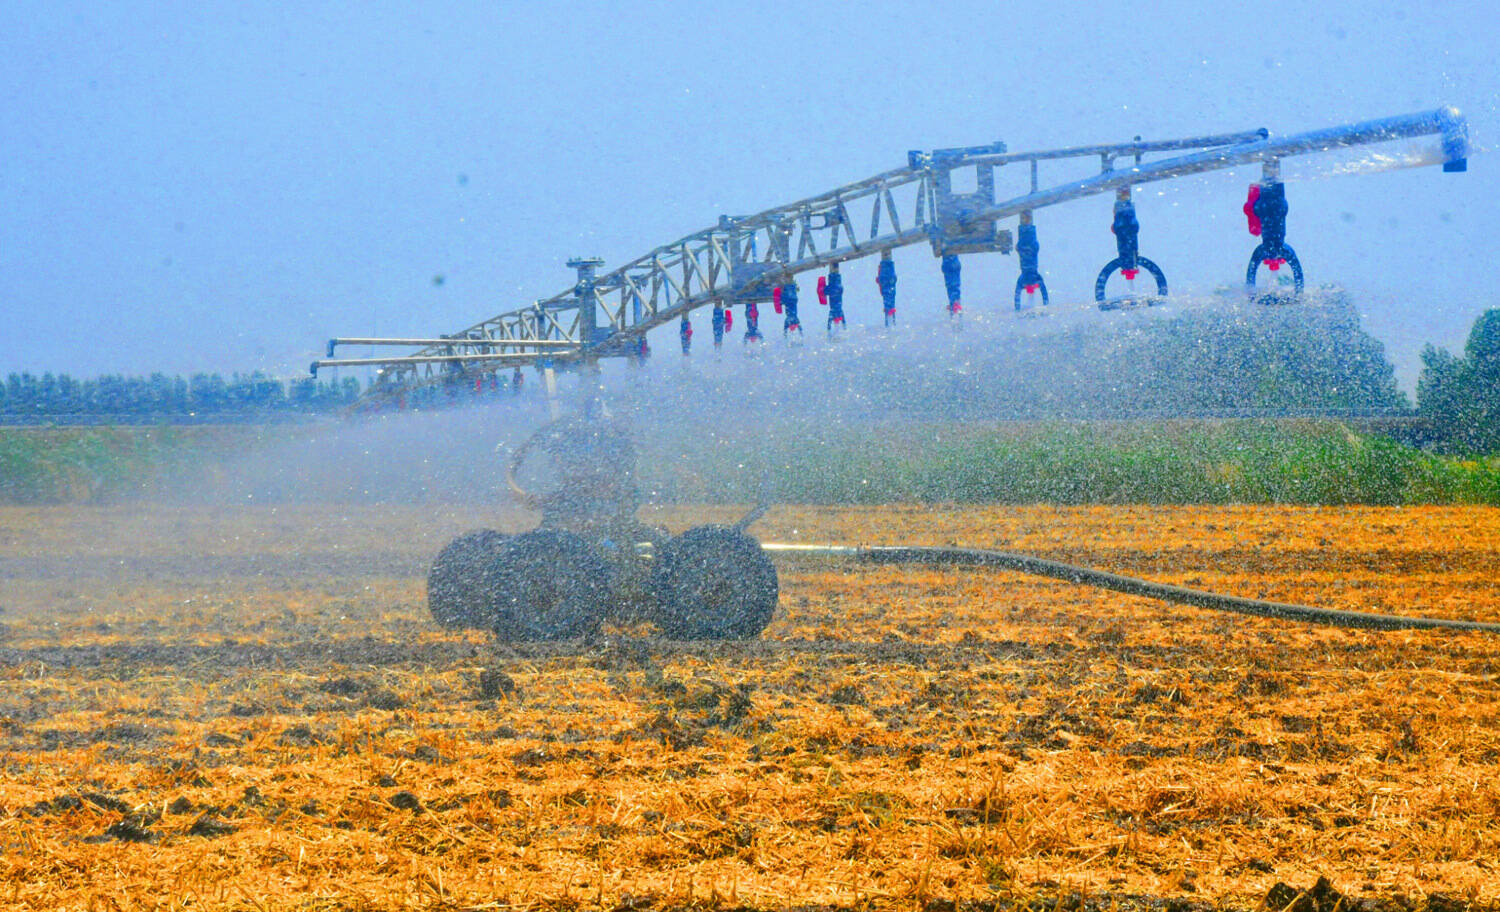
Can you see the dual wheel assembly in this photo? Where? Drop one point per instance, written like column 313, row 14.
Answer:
column 709, row 583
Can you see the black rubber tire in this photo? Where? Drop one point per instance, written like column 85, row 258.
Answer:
column 457, row 592
column 547, row 585
column 714, row 583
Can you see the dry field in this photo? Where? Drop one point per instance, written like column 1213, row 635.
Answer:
column 247, row 708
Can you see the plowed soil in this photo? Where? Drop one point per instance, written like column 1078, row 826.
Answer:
column 249, row 708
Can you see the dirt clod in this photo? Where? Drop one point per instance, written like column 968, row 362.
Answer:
column 344, row 686
column 65, row 803
column 384, row 699
column 531, row 757
column 495, row 683
column 1320, row 897
column 300, row 736
column 125, row 733
column 131, row 829
column 1151, row 694
column 428, row 754
column 210, row 827
column 848, row 695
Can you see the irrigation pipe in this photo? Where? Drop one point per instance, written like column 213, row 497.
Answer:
column 1085, row 576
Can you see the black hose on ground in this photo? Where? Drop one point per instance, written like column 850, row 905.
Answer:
column 756, row 512
column 767, row 496
column 1085, row 576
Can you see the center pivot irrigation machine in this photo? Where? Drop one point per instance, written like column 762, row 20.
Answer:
column 591, row 559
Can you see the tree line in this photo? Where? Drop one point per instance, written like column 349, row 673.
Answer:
column 26, row 395
column 1314, row 358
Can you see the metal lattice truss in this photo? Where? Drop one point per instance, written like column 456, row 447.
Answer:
column 742, row 259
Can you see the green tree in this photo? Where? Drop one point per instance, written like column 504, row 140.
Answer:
column 1460, row 397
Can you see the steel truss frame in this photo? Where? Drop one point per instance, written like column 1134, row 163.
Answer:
column 742, row 258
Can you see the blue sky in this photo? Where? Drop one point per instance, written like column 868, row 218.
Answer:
column 222, row 186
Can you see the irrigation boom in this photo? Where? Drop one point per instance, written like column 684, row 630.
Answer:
column 744, row 260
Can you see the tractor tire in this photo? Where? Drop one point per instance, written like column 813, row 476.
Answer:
column 457, row 593
column 547, row 585
column 714, row 583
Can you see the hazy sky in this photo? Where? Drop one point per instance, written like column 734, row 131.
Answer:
column 222, row 186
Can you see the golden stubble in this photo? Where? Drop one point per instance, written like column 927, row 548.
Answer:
column 248, row 708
